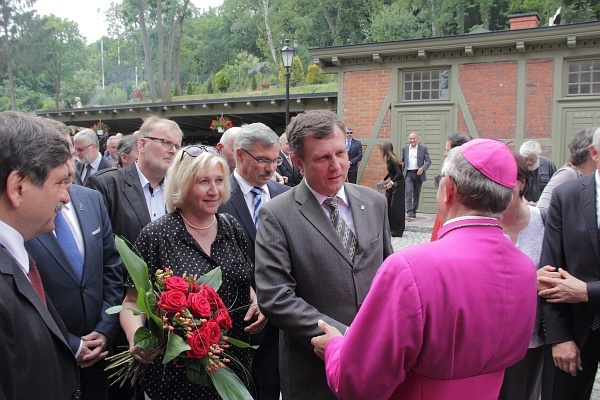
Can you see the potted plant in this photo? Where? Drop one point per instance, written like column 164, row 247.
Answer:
column 100, row 128
column 221, row 124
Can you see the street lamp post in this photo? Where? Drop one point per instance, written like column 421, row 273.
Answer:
column 287, row 56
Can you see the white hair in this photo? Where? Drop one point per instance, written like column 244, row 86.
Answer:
column 530, row 147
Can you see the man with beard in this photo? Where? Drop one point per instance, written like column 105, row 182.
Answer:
column 541, row 170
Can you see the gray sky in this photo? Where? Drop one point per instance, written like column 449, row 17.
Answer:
column 85, row 12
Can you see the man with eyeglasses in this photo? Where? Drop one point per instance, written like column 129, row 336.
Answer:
column 133, row 195
column 256, row 151
column 86, row 150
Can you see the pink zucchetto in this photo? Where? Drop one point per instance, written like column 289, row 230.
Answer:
column 493, row 159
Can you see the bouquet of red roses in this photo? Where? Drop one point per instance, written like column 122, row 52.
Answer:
column 187, row 319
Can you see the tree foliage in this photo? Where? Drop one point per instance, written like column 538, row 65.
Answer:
column 160, row 47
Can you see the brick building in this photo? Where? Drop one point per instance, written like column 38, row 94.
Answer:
column 528, row 82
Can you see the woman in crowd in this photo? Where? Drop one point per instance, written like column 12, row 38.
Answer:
column 127, row 150
column 580, row 164
column 395, row 189
column 194, row 239
column 524, row 225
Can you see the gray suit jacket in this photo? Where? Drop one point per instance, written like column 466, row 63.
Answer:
column 303, row 274
column 82, row 305
column 423, row 160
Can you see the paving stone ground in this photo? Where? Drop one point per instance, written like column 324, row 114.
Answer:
column 419, row 231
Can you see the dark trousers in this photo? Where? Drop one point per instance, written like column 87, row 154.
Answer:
column 352, row 176
column 265, row 365
column 559, row 385
column 413, row 191
column 522, row 381
column 94, row 382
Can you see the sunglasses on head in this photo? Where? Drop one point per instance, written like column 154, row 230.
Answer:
column 196, row 150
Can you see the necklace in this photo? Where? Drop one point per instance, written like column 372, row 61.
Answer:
column 200, row 227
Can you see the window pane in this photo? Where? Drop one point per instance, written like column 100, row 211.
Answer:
column 586, row 66
column 408, row 76
column 407, row 85
column 417, row 96
column 596, row 77
column 426, row 76
column 435, row 84
column 574, row 66
column 407, row 96
column 416, row 85
column 573, row 78
column 426, row 85
column 596, row 88
column 585, row 77
column 573, row 89
column 435, row 95
column 425, row 95
column 584, row 89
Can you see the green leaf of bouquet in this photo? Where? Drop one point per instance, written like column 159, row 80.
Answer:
column 212, row 278
column 144, row 339
column 228, row 385
column 196, row 373
column 240, row 344
column 175, row 346
column 114, row 309
column 138, row 270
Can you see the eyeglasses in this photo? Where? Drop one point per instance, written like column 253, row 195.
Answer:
column 196, row 150
column 167, row 144
column 265, row 161
column 349, row 133
column 437, row 180
column 80, row 149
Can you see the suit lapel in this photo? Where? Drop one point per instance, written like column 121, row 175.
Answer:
column 360, row 214
column 50, row 243
column 135, row 195
column 588, row 205
column 23, row 286
column 238, row 202
column 314, row 213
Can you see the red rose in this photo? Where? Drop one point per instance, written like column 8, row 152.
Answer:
column 223, row 319
column 177, row 283
column 172, row 300
column 198, row 305
column 195, row 287
column 214, row 332
column 213, row 298
column 199, row 341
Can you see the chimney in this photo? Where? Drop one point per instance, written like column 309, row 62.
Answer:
column 524, row 21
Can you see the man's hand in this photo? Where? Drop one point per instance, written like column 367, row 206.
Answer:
column 420, row 171
column 564, row 289
column 546, row 271
column 254, row 313
column 566, row 357
column 320, row 342
column 92, row 349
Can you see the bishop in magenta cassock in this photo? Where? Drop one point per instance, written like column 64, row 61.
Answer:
column 443, row 320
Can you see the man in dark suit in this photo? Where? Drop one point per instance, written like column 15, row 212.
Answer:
column 355, row 154
column 304, row 271
column 133, row 195
column 90, row 160
column 256, row 157
column 416, row 161
column 571, row 310
column 82, row 296
column 288, row 167
column 37, row 361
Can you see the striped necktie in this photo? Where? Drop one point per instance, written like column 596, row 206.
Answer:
column 344, row 232
column 257, row 203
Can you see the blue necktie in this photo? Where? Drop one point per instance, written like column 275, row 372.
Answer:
column 348, row 141
column 257, row 202
column 67, row 242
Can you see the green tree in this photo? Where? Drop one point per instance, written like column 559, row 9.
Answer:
column 395, row 23
column 222, row 80
column 12, row 11
column 296, row 72
column 314, row 75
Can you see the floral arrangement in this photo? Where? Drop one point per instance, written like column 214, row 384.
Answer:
column 187, row 319
column 221, row 122
column 100, row 126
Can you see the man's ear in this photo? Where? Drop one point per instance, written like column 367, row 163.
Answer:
column 298, row 162
column 449, row 188
column 15, row 186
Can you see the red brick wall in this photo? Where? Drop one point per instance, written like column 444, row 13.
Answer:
column 364, row 94
column 538, row 98
column 490, row 90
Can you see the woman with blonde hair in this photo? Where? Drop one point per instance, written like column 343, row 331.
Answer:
column 394, row 189
column 194, row 239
